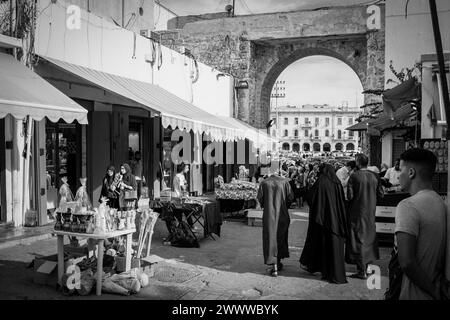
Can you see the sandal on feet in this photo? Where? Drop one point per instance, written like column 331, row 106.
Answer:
column 272, row 272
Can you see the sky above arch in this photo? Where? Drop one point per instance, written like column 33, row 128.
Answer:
column 321, row 80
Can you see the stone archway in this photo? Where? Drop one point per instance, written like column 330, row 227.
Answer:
column 350, row 147
column 257, row 48
column 326, row 147
column 286, row 146
column 306, row 147
column 342, row 50
column 316, row 147
column 295, row 147
column 338, row 146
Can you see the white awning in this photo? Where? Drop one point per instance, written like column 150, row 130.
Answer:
column 175, row 112
column 23, row 93
column 259, row 137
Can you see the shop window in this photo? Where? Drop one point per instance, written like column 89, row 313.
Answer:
column 63, row 155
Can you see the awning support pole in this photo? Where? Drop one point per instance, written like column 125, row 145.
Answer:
column 441, row 62
column 443, row 77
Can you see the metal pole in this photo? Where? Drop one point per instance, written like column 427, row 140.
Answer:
column 123, row 13
column 441, row 62
column 232, row 12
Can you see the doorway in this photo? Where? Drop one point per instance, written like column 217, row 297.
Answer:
column 63, row 155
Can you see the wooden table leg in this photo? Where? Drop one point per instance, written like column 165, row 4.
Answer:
column 128, row 252
column 60, row 250
column 100, row 266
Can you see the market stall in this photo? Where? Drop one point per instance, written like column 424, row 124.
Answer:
column 202, row 210
column 114, row 264
column 236, row 196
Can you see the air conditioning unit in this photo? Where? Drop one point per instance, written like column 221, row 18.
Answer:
column 145, row 33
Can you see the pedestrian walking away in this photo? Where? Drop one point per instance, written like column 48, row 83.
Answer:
column 274, row 196
column 363, row 190
column 327, row 228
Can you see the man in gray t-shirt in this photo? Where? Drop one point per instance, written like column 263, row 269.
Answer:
column 420, row 228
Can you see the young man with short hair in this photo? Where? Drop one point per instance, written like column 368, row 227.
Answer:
column 420, row 228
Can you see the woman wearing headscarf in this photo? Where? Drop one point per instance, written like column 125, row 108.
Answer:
column 127, row 182
column 109, row 188
column 327, row 229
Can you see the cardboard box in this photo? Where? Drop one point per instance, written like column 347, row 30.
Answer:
column 46, row 269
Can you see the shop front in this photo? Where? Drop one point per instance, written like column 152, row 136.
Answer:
column 28, row 104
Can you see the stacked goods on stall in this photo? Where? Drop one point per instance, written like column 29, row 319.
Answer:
column 440, row 150
column 237, row 195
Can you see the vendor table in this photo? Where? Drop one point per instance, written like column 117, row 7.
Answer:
column 101, row 239
column 210, row 212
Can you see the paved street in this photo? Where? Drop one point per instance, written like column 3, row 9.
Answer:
column 229, row 268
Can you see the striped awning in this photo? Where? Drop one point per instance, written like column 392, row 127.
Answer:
column 24, row 93
column 175, row 112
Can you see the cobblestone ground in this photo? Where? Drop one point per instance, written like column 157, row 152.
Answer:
column 228, row 268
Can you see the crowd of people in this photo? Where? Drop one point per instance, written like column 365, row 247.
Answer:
column 342, row 203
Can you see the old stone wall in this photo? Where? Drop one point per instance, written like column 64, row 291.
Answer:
column 257, row 48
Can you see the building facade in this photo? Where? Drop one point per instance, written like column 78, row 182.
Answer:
column 314, row 128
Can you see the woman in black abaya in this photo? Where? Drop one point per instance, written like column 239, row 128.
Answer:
column 327, row 229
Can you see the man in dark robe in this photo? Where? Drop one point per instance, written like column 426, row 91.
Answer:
column 274, row 196
column 362, row 192
column 327, row 228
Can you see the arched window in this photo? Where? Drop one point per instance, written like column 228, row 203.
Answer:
column 286, row 133
column 327, row 133
column 286, row 146
column 316, row 133
column 339, row 134
column 296, row 133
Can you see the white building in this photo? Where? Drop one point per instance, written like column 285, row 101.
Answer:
column 314, row 128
